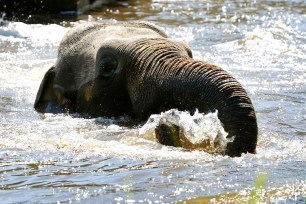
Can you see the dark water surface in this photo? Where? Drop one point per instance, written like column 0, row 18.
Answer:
column 60, row 158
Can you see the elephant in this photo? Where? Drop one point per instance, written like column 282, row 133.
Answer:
column 135, row 69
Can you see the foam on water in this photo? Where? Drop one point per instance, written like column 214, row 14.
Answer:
column 37, row 33
column 86, row 138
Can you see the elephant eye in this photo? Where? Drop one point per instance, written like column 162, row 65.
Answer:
column 107, row 66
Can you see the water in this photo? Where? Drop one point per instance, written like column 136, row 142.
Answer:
column 62, row 158
column 198, row 131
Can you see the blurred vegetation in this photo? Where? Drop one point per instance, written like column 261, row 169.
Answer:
column 259, row 185
column 257, row 194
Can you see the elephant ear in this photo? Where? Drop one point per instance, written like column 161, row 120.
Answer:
column 45, row 93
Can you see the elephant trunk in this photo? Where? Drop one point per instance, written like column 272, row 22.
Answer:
column 169, row 78
column 209, row 88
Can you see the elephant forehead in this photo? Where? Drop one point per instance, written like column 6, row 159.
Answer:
column 96, row 34
column 114, row 36
column 129, row 32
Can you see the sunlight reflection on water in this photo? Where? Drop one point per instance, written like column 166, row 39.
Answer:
column 65, row 158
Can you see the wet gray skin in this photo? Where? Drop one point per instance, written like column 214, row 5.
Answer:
column 135, row 69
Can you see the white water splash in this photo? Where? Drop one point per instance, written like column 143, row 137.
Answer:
column 38, row 33
column 197, row 128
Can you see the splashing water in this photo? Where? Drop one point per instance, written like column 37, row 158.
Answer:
column 197, row 128
column 60, row 158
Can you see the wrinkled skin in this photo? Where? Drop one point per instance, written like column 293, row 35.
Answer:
column 135, row 69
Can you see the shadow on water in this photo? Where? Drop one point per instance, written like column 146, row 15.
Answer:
column 56, row 11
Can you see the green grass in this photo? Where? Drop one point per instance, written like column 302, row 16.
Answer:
column 260, row 183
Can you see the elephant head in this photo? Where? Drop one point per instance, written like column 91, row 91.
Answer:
column 135, row 69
